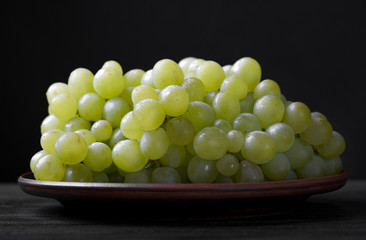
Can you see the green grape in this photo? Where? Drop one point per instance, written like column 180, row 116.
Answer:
column 211, row 75
column 210, row 143
column 192, row 68
column 167, row 72
column 223, row 179
column 268, row 109
column 249, row 69
column 64, row 106
column 180, row 130
column 117, row 136
column 148, row 114
column 78, row 173
column 80, row 82
column 299, row 153
column 235, row 85
column 99, row 157
column 200, row 114
column 77, row 123
column 190, row 148
column 314, row 168
column 297, row 116
column 51, row 122
column 143, row 92
column 291, row 176
column 130, row 129
column 174, row 100
column 71, row 148
column 247, row 104
column 36, row 157
column 226, row 106
column 228, row 165
column 332, row 148
column 235, row 140
column 246, row 123
column 49, row 168
column 227, row 70
column 100, row 177
column 259, row 147
column 278, row 168
column 147, row 79
column 165, row 175
column 127, row 156
column 126, row 95
column 185, row 62
column 284, row 101
column 113, row 64
column 318, row 115
column 154, row 144
column 174, row 157
column 102, row 130
column 210, row 96
column 114, row 110
column 142, row 176
column 283, row 135
column 267, row 87
column 223, row 125
column 91, row 107
column 56, row 89
column 249, row 172
column 333, row 166
column 108, row 82
column 195, row 89
column 319, row 132
column 115, row 178
column 87, row 135
column 201, row 171
column 48, row 140
column 133, row 77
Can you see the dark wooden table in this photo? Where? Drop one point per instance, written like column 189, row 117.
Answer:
column 336, row 215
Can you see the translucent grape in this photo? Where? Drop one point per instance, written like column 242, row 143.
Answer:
column 318, row 132
column 249, row 172
column 200, row 114
column 268, row 109
column 192, row 68
column 114, row 110
column 64, row 106
column 314, row 168
column 174, row 157
column 108, row 83
column 165, row 175
column 174, row 100
column 154, row 144
column 226, row 106
column 297, row 116
column 267, row 87
column 56, row 89
column 201, row 171
column 228, row 165
column 143, row 92
column 235, row 141
column 210, row 143
column 100, row 177
column 91, row 107
column 71, row 148
column 223, row 179
column 235, row 85
column 113, row 64
column 211, row 75
column 99, row 157
column 223, row 125
column 87, row 136
column 147, row 79
column 77, row 123
column 48, row 140
column 78, row 173
column 185, row 62
column 283, row 135
column 148, row 114
column 318, row 115
column 247, row 104
column 126, row 95
column 36, row 157
column 195, row 89
column 127, row 156
column 167, row 72
column 80, row 82
column 227, row 70
column 117, row 136
column 332, row 148
column 180, row 130
column 278, row 168
column 133, row 77
column 299, row 153
column 49, row 168
column 333, row 166
column 130, row 129
column 259, row 147
column 210, row 96
column 142, row 176
column 246, row 123
column 102, row 130
column 249, row 69
column 51, row 122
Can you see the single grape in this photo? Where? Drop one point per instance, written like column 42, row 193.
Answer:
column 114, row 110
column 299, row 153
column 113, row 64
column 226, row 106
column 117, row 136
column 71, row 148
column 291, row 176
column 64, row 106
column 247, row 104
column 154, row 144
column 36, row 157
column 283, row 135
column 48, row 140
column 51, row 122
column 130, row 129
column 142, row 176
column 249, row 69
column 143, row 92
column 297, row 116
column 200, row 114
column 185, row 62
column 195, row 89
column 174, row 100
column 77, row 123
column 100, row 177
column 249, row 172
column 147, row 79
column 192, row 68
column 165, row 175
column 223, row 179
column 99, row 157
column 80, row 82
column 174, row 157
column 259, row 147
column 78, row 173
column 148, row 114
column 126, row 95
column 102, row 130
column 127, row 156
column 278, row 168
column 268, row 109
column 167, row 72
column 87, row 135
column 318, row 132
column 235, row 85
column 180, row 130
column 235, row 141
column 108, row 82
column 211, row 75
column 267, row 87
column 314, row 168
column 210, row 96
column 133, row 77
column 228, row 165
column 91, row 106
column 227, row 70
column 49, row 168
column 333, row 166
column 318, row 115
column 223, row 125
column 201, row 171
column 210, row 143
column 56, row 89
column 332, row 148
column 246, row 123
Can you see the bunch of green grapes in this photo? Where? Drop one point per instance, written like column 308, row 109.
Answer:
column 187, row 122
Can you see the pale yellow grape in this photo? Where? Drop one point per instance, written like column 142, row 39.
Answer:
column 114, row 110
column 77, row 123
column 249, row 69
column 71, row 148
column 210, row 143
column 299, row 153
column 174, row 157
column 283, row 135
column 167, row 72
column 56, row 89
column 318, row 132
column 154, row 144
column 87, row 135
column 297, row 116
column 192, row 68
column 127, row 156
column 148, row 114
column 180, row 130
column 227, row 70
column 174, row 99
column 235, row 141
column 332, row 148
column 228, row 165
column 269, row 110
column 49, row 168
column 133, row 77
column 209, row 97
column 147, row 79
column 64, row 106
column 91, row 106
column 200, row 114
column 102, row 130
column 52, row 122
column 80, row 82
column 108, row 83
column 78, row 173
column 267, row 87
column 314, row 168
column 126, row 95
column 130, row 129
column 113, row 64
column 99, row 156
column 259, row 147
column 223, row 125
column 226, row 106
column 48, row 140
column 318, row 115
column 247, row 104
column 246, row 123
column 278, row 168
column 143, row 92
column 195, row 89
column 333, row 166
column 211, row 75
column 249, row 172
column 185, row 62
column 36, row 157
column 236, row 85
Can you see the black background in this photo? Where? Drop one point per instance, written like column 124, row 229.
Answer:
column 314, row 49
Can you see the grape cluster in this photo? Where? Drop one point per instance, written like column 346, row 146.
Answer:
column 191, row 122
